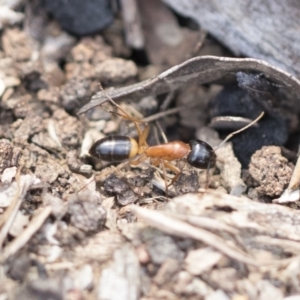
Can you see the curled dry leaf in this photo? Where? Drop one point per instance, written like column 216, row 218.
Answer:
column 198, row 70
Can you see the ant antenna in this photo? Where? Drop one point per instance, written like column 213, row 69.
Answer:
column 125, row 114
column 107, row 96
column 240, row 130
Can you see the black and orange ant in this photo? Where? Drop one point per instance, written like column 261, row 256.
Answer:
column 118, row 148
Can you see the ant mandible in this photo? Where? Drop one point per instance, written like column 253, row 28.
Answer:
column 118, row 148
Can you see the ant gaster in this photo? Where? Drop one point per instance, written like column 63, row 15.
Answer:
column 118, row 148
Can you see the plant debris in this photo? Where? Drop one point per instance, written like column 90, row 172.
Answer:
column 202, row 70
column 75, row 227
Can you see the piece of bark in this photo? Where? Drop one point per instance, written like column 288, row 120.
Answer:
column 266, row 30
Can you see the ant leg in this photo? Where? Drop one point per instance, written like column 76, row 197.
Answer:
column 144, row 135
column 124, row 114
column 176, row 170
column 156, row 162
column 139, row 160
column 167, row 165
column 161, row 161
column 207, row 179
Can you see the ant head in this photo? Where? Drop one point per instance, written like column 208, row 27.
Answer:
column 202, row 155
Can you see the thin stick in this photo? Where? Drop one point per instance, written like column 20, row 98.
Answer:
column 168, row 112
column 20, row 241
column 240, row 130
column 167, row 101
column 161, row 132
column 181, row 229
column 163, row 114
column 165, row 175
column 207, row 178
column 11, row 213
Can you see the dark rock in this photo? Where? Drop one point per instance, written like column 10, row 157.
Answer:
column 81, row 17
column 121, row 188
column 85, row 213
column 248, row 99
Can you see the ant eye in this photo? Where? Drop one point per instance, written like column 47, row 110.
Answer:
column 202, row 155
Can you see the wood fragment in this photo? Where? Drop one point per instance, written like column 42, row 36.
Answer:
column 182, row 229
column 26, row 235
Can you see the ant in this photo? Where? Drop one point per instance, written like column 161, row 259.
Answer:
column 118, row 148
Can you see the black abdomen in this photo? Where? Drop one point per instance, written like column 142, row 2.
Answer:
column 112, row 148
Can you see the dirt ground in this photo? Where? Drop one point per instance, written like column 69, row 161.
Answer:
column 75, row 227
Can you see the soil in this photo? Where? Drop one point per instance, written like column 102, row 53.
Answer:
column 75, row 227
